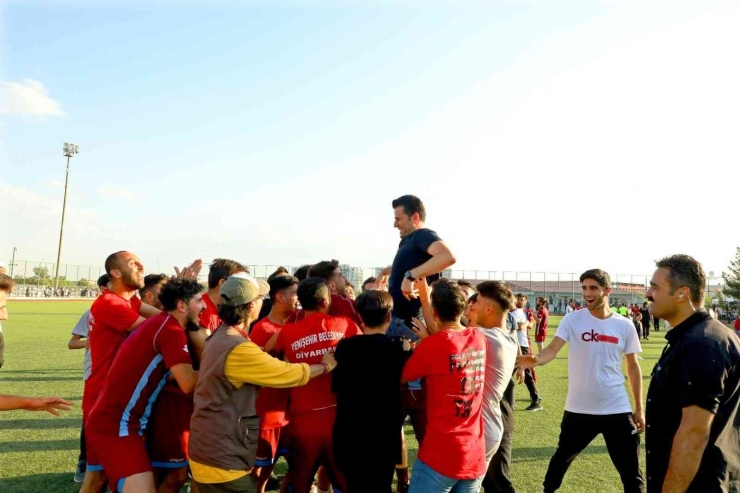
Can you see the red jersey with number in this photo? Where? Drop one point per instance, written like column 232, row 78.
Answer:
column 110, row 318
column 307, row 341
column 340, row 307
column 271, row 404
column 208, row 318
column 137, row 376
column 453, row 362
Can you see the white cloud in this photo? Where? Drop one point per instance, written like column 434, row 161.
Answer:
column 109, row 191
column 28, row 98
column 54, row 184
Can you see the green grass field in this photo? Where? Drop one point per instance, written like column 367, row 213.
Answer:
column 38, row 452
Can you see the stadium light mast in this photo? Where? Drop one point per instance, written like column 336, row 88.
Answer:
column 69, row 151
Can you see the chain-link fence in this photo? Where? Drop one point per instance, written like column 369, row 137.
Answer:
column 36, row 280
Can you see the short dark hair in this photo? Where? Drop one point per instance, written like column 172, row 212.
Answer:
column 112, row 262
column 178, row 290
column 6, row 283
column 280, row 283
column 302, row 272
column 234, row 315
column 103, row 281
column 521, row 295
column 411, row 204
column 311, row 292
column 369, row 280
column 464, row 284
column 349, row 285
column 599, row 276
column 324, row 269
column 281, row 271
column 448, row 299
column 374, row 307
column 222, row 268
column 497, row 291
column 150, row 281
column 473, row 298
column 685, row 271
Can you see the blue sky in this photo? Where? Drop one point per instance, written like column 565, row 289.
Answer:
column 601, row 134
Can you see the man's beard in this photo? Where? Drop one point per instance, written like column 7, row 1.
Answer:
column 191, row 326
column 130, row 281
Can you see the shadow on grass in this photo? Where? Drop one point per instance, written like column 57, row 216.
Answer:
column 524, row 454
column 48, row 483
column 40, row 424
column 41, row 379
column 40, row 446
column 50, row 370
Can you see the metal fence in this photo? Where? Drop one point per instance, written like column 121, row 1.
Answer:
column 36, row 279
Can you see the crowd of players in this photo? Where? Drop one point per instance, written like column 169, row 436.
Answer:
column 216, row 385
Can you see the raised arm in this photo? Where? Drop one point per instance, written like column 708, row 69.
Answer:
column 546, row 355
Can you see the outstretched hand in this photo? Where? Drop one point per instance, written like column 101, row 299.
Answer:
column 419, row 328
column 191, row 271
column 49, row 404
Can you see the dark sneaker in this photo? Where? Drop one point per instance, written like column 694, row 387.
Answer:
column 80, row 473
column 273, row 483
column 535, row 406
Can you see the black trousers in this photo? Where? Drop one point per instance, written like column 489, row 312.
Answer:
column 646, row 330
column 497, row 478
column 370, row 473
column 656, row 324
column 529, row 379
column 82, row 459
column 622, row 443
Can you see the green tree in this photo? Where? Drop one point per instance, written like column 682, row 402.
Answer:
column 41, row 272
column 732, row 277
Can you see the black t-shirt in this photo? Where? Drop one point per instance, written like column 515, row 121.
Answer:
column 412, row 252
column 645, row 316
column 700, row 366
column 367, row 383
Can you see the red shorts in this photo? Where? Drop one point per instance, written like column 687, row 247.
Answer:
column 119, row 457
column 169, row 431
column 311, row 445
column 540, row 337
column 267, row 446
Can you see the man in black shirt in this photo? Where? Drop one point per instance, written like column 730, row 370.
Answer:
column 693, row 403
column 367, row 443
column 645, row 312
column 421, row 253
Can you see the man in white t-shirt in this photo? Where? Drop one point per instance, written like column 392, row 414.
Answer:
column 491, row 307
column 522, row 335
column 597, row 400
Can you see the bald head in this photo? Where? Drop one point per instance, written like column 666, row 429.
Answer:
column 125, row 268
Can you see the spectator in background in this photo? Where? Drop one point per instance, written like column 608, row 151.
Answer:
column 369, row 284
column 302, row 272
column 349, row 290
column 645, row 313
column 149, row 294
column 80, row 332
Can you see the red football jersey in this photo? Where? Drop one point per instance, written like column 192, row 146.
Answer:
column 306, row 342
column 208, row 318
column 271, row 403
column 137, row 376
column 340, row 307
column 453, row 363
column 110, row 318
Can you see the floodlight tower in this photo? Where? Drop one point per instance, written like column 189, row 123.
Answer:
column 69, row 151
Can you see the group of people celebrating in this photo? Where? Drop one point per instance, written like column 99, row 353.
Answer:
column 218, row 384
